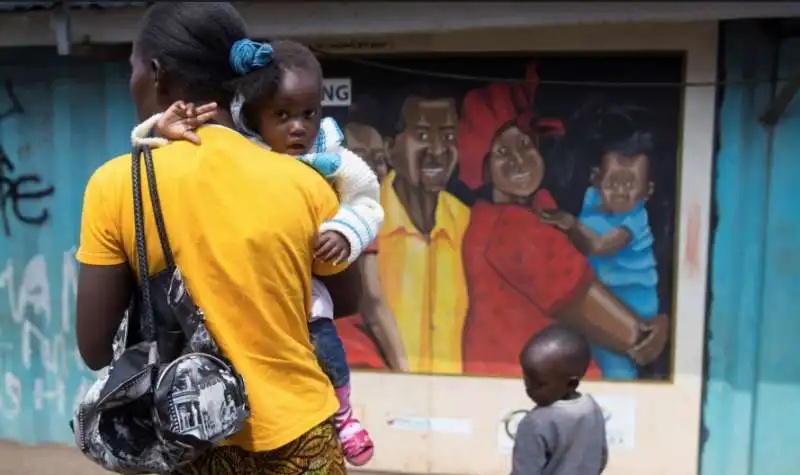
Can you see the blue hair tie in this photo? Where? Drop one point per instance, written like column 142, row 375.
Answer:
column 247, row 55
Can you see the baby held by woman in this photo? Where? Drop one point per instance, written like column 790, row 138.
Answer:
column 280, row 96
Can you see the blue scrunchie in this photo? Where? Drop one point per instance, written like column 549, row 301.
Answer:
column 248, row 55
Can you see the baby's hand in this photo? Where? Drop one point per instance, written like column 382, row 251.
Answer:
column 332, row 247
column 560, row 219
column 180, row 120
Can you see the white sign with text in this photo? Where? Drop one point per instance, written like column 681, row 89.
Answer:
column 336, row 92
column 619, row 412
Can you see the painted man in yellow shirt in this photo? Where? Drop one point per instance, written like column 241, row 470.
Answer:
column 420, row 264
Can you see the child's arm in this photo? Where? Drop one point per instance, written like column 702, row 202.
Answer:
column 176, row 123
column 360, row 214
column 530, row 448
column 140, row 135
column 592, row 244
column 587, row 241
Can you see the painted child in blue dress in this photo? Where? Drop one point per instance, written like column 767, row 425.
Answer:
column 613, row 231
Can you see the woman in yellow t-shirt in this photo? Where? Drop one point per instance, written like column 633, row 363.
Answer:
column 241, row 221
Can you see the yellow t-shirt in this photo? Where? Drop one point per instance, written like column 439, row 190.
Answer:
column 241, row 222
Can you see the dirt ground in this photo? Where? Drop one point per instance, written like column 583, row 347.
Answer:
column 18, row 459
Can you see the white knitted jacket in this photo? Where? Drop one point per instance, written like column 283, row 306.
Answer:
column 360, row 215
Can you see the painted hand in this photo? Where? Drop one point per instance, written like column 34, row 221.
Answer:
column 657, row 334
column 332, row 247
column 180, row 120
column 555, row 217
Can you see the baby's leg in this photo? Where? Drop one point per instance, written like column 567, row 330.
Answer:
column 329, row 349
column 330, row 354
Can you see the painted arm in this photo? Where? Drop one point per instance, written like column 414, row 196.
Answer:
column 592, row 244
column 377, row 315
column 584, row 239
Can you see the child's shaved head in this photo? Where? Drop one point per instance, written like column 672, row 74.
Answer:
column 553, row 362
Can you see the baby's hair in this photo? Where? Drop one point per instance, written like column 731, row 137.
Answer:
column 638, row 143
column 259, row 87
column 191, row 42
column 569, row 348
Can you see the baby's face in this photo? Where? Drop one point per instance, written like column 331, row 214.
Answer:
column 622, row 181
column 290, row 123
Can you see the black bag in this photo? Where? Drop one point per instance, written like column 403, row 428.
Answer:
column 169, row 394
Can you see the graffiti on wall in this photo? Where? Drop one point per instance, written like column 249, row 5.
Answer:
column 20, row 193
column 42, row 369
column 41, row 372
column 514, row 205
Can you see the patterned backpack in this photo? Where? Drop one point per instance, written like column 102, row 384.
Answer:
column 169, row 394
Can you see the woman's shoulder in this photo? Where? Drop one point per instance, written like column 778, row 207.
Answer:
column 112, row 171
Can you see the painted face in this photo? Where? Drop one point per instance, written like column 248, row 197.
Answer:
column 368, row 144
column 622, row 181
column 290, row 122
column 143, row 85
column 425, row 153
column 515, row 165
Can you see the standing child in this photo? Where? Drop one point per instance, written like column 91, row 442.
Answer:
column 565, row 433
column 280, row 95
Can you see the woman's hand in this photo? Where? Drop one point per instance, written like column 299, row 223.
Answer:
column 180, row 120
column 555, row 217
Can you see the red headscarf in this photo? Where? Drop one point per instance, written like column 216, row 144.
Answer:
column 487, row 110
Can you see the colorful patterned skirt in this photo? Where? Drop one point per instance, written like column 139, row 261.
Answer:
column 317, row 452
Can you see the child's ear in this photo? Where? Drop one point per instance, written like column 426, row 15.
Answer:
column 573, row 383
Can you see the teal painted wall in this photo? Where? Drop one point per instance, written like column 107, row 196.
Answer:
column 752, row 405
column 59, row 119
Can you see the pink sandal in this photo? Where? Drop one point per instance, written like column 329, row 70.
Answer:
column 356, row 443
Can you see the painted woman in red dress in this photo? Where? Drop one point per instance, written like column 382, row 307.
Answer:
column 523, row 274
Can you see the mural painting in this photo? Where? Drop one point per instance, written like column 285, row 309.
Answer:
column 511, row 205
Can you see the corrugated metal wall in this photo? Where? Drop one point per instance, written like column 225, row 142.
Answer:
column 59, row 119
column 752, row 408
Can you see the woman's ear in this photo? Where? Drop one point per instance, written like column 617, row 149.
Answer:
column 157, row 73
